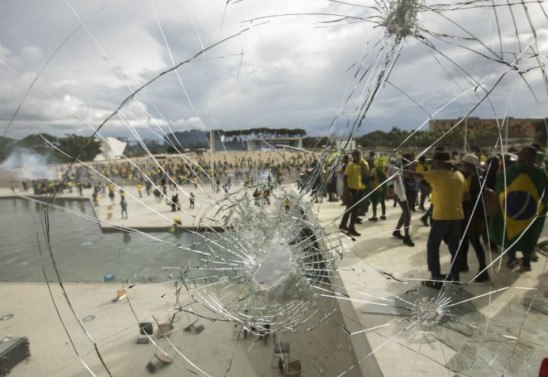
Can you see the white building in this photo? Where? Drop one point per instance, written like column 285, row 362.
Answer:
column 343, row 143
column 111, row 149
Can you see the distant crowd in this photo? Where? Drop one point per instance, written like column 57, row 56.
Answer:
column 178, row 170
column 160, row 176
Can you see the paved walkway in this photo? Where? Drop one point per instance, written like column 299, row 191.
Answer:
column 378, row 267
column 145, row 212
column 374, row 270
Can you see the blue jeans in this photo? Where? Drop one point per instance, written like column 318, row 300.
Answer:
column 450, row 232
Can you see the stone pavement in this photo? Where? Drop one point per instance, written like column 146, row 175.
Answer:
column 220, row 349
column 377, row 267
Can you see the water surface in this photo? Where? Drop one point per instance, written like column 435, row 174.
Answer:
column 81, row 251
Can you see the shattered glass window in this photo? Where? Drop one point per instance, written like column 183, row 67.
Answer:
column 215, row 260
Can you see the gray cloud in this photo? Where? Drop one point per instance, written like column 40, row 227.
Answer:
column 294, row 70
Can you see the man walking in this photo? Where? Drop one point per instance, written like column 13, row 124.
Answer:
column 192, row 200
column 352, row 185
column 448, row 192
column 123, row 204
column 473, row 225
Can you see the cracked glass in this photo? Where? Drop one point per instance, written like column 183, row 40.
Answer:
column 233, row 262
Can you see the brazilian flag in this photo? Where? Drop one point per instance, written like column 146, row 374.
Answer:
column 378, row 185
column 522, row 204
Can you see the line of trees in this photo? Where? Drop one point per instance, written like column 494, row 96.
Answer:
column 409, row 140
column 71, row 144
column 394, row 139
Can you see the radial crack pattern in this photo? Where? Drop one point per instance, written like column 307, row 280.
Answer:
column 223, row 250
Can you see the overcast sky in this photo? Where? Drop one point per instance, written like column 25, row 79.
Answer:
column 295, row 71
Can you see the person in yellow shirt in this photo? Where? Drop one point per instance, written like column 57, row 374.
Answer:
column 449, row 190
column 352, row 185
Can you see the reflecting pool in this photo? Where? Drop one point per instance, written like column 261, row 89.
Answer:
column 82, row 252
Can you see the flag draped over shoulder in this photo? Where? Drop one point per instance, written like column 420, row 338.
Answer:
column 522, row 208
column 378, row 185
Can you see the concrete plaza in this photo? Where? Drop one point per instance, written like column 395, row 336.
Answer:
column 493, row 323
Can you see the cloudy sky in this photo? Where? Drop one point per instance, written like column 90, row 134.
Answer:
column 281, row 63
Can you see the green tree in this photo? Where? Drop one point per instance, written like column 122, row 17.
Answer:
column 372, row 140
column 6, row 147
column 483, row 138
column 81, row 147
column 396, row 136
column 37, row 143
column 315, row 143
column 541, row 134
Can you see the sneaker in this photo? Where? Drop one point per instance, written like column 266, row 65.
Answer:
column 343, row 227
column 359, row 221
column 512, row 263
column 523, row 268
column 352, row 232
column 397, row 234
column 383, row 217
column 424, row 220
column 407, row 241
column 432, row 284
column 374, row 218
column 481, row 278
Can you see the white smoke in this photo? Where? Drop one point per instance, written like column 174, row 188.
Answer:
column 27, row 164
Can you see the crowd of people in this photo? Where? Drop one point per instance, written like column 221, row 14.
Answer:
column 199, row 169
column 472, row 196
column 160, row 176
